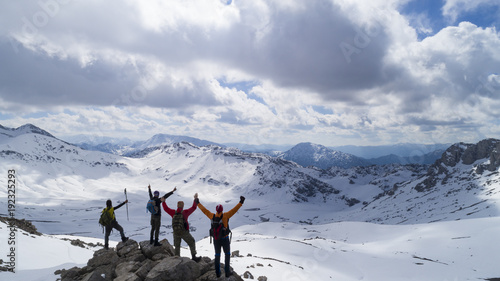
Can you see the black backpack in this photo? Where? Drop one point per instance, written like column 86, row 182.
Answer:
column 217, row 229
column 178, row 222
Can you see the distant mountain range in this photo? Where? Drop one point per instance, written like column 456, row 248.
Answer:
column 304, row 154
column 127, row 148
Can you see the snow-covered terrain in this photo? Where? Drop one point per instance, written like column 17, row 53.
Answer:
column 367, row 223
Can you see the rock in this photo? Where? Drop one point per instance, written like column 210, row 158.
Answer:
column 262, row 278
column 126, row 267
column 135, row 255
column 93, row 276
column 106, row 271
column 150, row 251
column 103, row 257
column 133, row 261
column 128, row 277
column 68, row 274
column 174, row 269
column 124, row 248
column 247, row 275
column 146, row 266
column 235, row 254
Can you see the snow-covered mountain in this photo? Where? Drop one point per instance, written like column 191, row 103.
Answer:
column 6, row 133
column 61, row 188
column 129, row 148
column 309, row 154
column 400, row 149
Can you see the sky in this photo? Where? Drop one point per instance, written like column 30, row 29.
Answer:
column 331, row 72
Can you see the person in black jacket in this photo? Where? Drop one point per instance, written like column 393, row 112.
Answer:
column 156, row 218
column 114, row 224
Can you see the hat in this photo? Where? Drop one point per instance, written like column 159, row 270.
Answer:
column 156, row 193
column 219, row 208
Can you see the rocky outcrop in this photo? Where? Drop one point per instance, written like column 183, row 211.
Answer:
column 467, row 154
column 132, row 261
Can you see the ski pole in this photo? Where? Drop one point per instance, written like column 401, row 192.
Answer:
column 126, row 199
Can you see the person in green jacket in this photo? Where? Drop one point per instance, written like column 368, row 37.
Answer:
column 220, row 232
column 114, row 224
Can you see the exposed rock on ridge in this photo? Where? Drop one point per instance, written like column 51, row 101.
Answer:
column 132, row 261
column 467, row 154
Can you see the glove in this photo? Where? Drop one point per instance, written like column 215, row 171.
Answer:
column 197, row 201
column 242, row 199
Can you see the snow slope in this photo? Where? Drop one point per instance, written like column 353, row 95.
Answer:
column 344, row 251
column 302, row 221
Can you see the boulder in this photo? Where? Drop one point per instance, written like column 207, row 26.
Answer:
column 126, row 267
column 150, row 251
column 103, row 257
column 174, row 269
column 146, row 266
column 124, row 248
column 93, row 276
column 128, row 277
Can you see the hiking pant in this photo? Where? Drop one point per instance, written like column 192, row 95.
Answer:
column 155, row 227
column 188, row 238
column 114, row 224
column 225, row 244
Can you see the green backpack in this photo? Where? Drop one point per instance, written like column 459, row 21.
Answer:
column 106, row 217
column 178, row 223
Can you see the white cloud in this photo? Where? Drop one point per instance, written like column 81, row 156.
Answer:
column 155, row 66
column 452, row 9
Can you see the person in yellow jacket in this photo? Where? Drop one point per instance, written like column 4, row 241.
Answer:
column 114, row 224
column 220, row 232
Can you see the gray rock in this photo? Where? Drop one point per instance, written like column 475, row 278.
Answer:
column 174, row 269
column 150, row 251
column 128, row 277
column 247, row 275
column 93, row 276
column 106, row 271
column 146, row 266
column 126, row 267
column 124, row 248
column 103, row 257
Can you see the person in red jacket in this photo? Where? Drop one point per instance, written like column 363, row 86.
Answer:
column 180, row 226
column 220, row 231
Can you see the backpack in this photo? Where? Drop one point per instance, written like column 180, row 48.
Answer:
column 217, row 229
column 178, row 222
column 151, row 207
column 106, row 217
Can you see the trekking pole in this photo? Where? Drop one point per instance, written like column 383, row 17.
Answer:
column 126, row 199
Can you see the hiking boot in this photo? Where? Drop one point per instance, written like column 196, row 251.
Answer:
column 196, row 259
column 106, row 247
column 157, row 243
column 124, row 239
column 229, row 273
column 151, row 241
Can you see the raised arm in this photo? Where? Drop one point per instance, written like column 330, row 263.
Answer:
column 150, row 194
column 169, row 193
column 207, row 213
column 236, row 208
column 167, row 209
column 119, row 205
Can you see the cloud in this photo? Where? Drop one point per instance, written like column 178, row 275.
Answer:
column 452, row 9
column 320, row 69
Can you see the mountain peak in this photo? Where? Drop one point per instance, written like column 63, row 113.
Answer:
column 311, row 154
column 24, row 129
